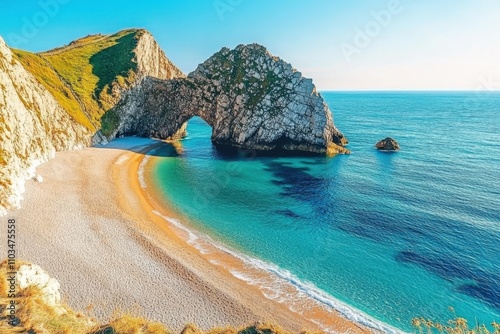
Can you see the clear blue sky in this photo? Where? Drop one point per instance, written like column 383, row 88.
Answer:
column 341, row 44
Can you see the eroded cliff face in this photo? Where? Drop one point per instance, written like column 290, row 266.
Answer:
column 156, row 108
column 146, row 59
column 151, row 60
column 33, row 126
column 36, row 122
column 252, row 100
column 255, row 100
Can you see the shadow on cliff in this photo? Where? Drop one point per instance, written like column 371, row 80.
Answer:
column 113, row 62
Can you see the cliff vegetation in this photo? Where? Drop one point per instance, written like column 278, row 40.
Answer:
column 86, row 76
column 55, row 100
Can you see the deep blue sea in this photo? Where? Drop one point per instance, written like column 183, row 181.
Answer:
column 395, row 235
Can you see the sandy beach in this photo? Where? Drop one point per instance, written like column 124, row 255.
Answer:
column 92, row 226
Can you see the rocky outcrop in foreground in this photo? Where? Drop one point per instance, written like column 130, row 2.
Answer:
column 387, row 144
column 251, row 99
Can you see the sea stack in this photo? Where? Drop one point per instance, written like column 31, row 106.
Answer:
column 387, row 144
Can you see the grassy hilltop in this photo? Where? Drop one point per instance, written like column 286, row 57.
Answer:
column 86, row 76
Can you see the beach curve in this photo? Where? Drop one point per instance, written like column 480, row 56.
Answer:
column 91, row 217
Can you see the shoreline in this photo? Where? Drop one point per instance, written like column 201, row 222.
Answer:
column 326, row 312
column 91, row 217
column 220, row 259
column 166, row 232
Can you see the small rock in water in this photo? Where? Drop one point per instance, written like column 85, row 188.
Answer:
column 387, row 144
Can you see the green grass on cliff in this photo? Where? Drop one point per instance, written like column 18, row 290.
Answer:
column 86, row 76
column 232, row 69
column 109, row 122
column 93, row 64
column 48, row 77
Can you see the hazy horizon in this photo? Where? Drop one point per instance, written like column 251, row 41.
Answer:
column 390, row 45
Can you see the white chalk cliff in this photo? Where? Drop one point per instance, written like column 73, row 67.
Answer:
column 250, row 98
column 33, row 126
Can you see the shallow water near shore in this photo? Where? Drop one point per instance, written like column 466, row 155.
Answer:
column 395, row 235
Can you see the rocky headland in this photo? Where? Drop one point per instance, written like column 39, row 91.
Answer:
column 251, row 99
column 33, row 126
column 103, row 86
column 54, row 101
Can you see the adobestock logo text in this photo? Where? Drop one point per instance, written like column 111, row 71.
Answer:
column 31, row 25
column 381, row 19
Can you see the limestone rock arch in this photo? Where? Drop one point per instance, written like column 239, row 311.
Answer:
column 250, row 98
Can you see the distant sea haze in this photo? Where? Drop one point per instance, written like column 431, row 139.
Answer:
column 394, row 235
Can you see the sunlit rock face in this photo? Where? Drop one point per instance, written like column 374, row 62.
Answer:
column 250, row 98
column 34, row 125
column 387, row 144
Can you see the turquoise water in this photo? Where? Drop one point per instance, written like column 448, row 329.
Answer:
column 396, row 235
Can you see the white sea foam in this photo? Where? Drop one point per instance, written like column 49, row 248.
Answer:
column 192, row 238
column 212, row 261
column 121, row 160
column 278, row 287
column 276, row 291
column 142, row 165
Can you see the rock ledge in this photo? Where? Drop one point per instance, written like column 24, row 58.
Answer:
column 387, row 144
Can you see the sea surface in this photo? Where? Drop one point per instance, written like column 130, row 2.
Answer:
column 394, row 235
